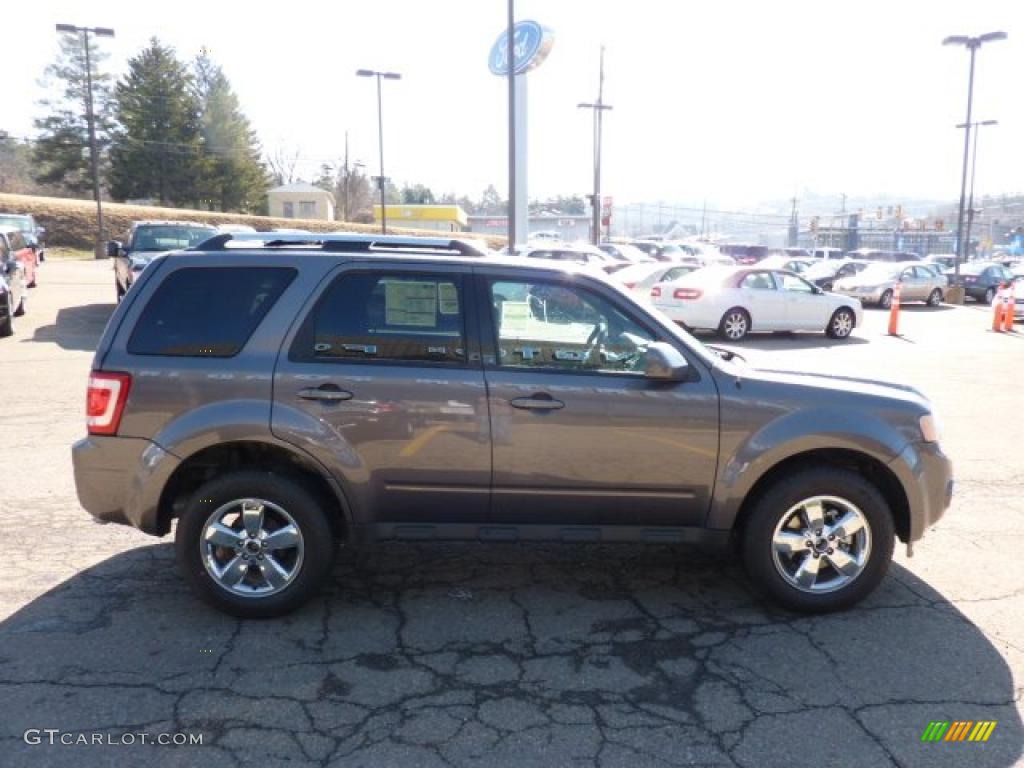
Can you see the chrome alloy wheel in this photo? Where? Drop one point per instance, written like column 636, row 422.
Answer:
column 251, row 547
column 842, row 324
column 821, row 544
column 735, row 325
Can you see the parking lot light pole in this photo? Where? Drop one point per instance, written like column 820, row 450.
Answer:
column 90, row 119
column 972, row 44
column 974, row 170
column 599, row 108
column 381, row 180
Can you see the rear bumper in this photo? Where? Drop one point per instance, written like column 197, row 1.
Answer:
column 926, row 474
column 119, row 479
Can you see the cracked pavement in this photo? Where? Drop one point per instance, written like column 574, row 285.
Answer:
column 512, row 655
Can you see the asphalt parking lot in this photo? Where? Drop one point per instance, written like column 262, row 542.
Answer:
column 513, row 655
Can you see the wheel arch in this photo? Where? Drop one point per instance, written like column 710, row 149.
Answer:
column 214, row 460
column 869, row 467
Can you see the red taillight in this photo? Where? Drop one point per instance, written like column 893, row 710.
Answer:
column 687, row 293
column 104, row 401
column 656, row 290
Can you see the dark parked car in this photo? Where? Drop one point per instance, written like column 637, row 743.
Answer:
column 12, row 288
column 32, row 232
column 234, row 390
column 826, row 272
column 980, row 279
column 662, row 251
column 146, row 241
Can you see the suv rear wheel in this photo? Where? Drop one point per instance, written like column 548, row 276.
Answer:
column 254, row 544
column 820, row 540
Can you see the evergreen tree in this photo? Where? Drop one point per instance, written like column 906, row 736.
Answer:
column 234, row 177
column 61, row 153
column 156, row 151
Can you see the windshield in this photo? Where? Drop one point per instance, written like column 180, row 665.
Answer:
column 24, row 223
column 822, row 270
column 879, row 272
column 167, row 237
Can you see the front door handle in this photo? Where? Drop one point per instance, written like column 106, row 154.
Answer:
column 328, row 392
column 538, row 402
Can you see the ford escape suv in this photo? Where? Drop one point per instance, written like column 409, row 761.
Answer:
column 279, row 395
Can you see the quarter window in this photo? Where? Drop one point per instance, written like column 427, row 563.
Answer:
column 380, row 316
column 551, row 326
column 207, row 311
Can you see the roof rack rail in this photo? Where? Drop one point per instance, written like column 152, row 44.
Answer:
column 344, row 242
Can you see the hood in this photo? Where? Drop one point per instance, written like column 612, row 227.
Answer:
column 868, row 388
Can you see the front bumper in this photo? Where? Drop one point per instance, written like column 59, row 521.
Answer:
column 926, row 475
column 119, row 479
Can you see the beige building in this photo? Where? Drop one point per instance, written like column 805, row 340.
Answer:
column 301, row 201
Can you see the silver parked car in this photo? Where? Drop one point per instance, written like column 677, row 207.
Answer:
column 876, row 284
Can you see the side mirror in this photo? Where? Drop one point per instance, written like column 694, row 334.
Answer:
column 664, row 363
column 114, row 249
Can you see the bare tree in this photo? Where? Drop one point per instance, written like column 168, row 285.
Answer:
column 282, row 161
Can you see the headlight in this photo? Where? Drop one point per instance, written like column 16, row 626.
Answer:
column 930, row 430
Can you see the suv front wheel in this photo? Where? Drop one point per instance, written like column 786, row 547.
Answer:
column 254, row 544
column 820, row 540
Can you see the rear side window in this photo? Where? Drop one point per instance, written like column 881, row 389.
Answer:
column 397, row 317
column 207, row 311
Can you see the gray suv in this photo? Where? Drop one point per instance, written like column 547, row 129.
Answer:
column 280, row 395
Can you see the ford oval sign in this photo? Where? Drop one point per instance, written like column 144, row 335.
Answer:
column 532, row 43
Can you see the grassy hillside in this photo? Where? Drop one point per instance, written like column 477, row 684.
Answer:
column 72, row 223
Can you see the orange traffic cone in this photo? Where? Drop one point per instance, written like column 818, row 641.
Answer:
column 894, row 311
column 1011, row 304
column 997, row 309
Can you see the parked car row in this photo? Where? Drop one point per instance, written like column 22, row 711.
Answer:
column 21, row 251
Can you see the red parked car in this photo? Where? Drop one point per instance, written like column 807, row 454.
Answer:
column 16, row 244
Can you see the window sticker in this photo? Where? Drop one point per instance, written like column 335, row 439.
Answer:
column 515, row 317
column 410, row 303
column 447, row 299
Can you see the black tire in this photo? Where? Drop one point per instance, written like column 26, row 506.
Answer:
column 735, row 324
column 841, row 324
column 7, row 326
column 990, row 294
column 935, row 298
column 885, row 300
column 772, row 505
column 118, row 290
column 305, row 510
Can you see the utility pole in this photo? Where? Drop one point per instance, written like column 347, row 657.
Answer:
column 90, row 119
column 598, row 109
column 793, row 226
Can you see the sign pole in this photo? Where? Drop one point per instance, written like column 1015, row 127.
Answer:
column 510, row 50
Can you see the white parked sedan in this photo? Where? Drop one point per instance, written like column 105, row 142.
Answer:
column 640, row 278
column 738, row 300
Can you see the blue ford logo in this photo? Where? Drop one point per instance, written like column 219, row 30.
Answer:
column 531, row 46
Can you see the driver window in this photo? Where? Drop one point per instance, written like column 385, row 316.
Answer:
column 543, row 325
column 794, row 283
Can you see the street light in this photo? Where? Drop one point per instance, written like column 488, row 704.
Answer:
column 972, row 44
column 380, row 137
column 599, row 108
column 974, row 169
column 90, row 119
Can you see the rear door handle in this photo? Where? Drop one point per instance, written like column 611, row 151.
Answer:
column 329, row 392
column 538, row 402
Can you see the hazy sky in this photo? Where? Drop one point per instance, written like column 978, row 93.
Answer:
column 735, row 101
